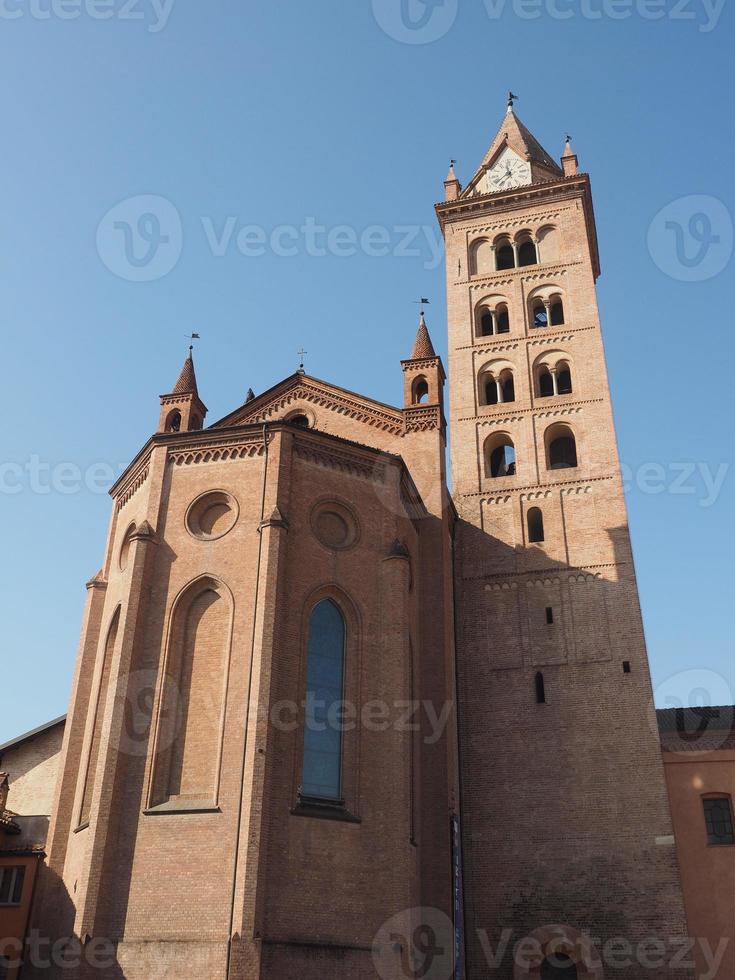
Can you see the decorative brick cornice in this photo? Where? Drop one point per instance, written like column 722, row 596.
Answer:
column 134, row 481
column 356, row 464
column 217, row 452
column 538, row 338
column 423, row 418
column 527, row 220
column 517, row 415
column 506, row 493
column 504, row 581
column 306, row 390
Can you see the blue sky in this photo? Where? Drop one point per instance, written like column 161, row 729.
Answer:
column 331, row 114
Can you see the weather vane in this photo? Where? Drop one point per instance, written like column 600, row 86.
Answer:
column 511, row 99
column 302, row 354
column 192, row 336
column 421, row 302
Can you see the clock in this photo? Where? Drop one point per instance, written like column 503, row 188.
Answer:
column 507, row 172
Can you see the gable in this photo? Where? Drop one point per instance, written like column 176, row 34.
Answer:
column 327, row 408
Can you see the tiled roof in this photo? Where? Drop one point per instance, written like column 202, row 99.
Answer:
column 187, row 381
column 7, row 823
column 423, row 346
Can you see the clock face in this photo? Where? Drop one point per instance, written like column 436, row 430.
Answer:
column 509, row 171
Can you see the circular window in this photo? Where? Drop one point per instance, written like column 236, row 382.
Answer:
column 212, row 515
column 125, row 547
column 334, row 525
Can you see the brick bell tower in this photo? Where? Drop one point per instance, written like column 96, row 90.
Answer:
column 566, row 825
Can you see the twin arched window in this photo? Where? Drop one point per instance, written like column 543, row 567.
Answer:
column 492, row 319
column 547, row 312
column 498, row 388
column 556, row 380
column 325, row 676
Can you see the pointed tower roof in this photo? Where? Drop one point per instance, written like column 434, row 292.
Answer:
column 521, row 140
column 513, row 134
column 187, row 381
column 423, row 346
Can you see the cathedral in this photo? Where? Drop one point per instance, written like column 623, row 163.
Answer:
column 330, row 720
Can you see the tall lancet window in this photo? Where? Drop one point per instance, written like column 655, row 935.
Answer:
column 322, row 774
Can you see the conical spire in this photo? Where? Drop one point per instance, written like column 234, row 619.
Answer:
column 423, row 346
column 187, row 382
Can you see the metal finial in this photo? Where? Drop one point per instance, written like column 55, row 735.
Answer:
column 511, row 99
column 302, row 354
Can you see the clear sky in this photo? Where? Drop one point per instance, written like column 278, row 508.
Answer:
column 322, row 115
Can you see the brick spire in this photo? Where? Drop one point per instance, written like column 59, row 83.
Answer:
column 187, row 383
column 423, row 346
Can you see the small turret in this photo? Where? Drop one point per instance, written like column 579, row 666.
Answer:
column 423, row 373
column 182, row 410
column 452, row 187
column 569, row 161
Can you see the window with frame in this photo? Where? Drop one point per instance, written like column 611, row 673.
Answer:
column 325, row 674
column 718, row 818
column 11, row 885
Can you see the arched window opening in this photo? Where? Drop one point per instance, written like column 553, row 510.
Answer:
column 558, row 966
column 540, row 688
column 502, row 459
column 322, row 769
column 545, row 383
column 563, row 452
column 502, row 319
column 420, row 391
column 173, row 422
column 540, row 318
column 301, row 421
column 486, row 322
column 557, row 313
column 491, row 392
column 505, row 257
column 564, row 379
column 507, row 386
column 481, row 257
column 527, row 253
column 535, row 525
